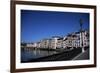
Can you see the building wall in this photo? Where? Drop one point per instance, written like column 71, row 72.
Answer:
column 68, row 41
column 54, row 43
column 60, row 43
column 75, row 41
column 31, row 45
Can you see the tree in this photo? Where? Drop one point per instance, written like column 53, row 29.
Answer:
column 81, row 31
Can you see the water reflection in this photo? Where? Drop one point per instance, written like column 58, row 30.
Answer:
column 28, row 54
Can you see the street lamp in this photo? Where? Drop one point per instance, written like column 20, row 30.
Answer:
column 82, row 45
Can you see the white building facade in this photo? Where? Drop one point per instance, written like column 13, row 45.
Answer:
column 72, row 40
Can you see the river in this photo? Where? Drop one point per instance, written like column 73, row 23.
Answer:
column 27, row 55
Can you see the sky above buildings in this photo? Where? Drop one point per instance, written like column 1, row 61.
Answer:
column 37, row 25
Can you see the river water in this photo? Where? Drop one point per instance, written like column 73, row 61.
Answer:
column 27, row 55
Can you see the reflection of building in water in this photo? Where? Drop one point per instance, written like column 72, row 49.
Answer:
column 68, row 41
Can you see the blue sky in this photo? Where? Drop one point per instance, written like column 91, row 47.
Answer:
column 37, row 25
